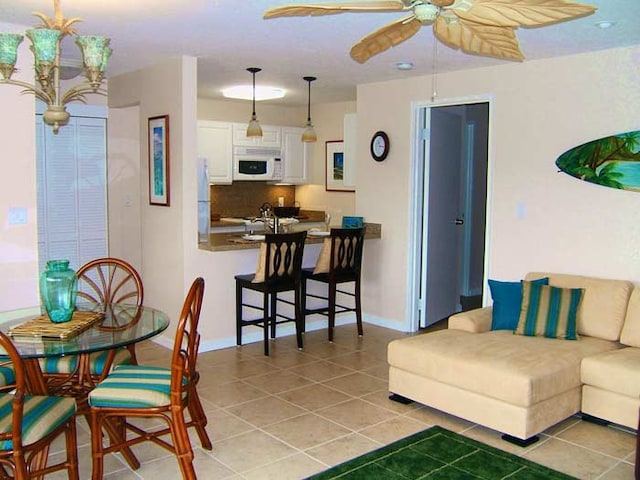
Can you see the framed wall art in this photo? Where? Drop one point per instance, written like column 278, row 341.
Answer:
column 334, row 167
column 159, row 179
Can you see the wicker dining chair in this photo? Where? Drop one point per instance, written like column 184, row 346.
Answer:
column 339, row 262
column 146, row 392
column 102, row 282
column 30, row 423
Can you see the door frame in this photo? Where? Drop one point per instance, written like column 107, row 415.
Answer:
column 419, row 164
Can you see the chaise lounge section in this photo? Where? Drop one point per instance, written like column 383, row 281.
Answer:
column 521, row 385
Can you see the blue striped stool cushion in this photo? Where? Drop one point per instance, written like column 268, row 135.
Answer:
column 69, row 363
column 42, row 415
column 7, row 376
column 134, row 386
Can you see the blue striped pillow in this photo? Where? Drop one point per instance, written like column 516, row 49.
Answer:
column 548, row 311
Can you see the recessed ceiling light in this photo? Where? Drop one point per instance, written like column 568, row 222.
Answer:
column 245, row 92
column 404, row 66
column 604, row 24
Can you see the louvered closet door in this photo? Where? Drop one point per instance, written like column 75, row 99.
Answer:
column 72, row 191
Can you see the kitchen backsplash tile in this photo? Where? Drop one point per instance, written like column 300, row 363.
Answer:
column 243, row 199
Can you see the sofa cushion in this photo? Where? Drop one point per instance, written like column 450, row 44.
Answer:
column 513, row 368
column 548, row 311
column 604, row 304
column 507, row 298
column 615, row 371
column 630, row 334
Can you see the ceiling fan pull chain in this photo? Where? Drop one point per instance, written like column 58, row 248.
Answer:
column 434, row 75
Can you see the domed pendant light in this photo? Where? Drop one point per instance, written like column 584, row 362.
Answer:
column 309, row 134
column 254, row 129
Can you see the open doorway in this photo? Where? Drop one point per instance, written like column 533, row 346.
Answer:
column 449, row 210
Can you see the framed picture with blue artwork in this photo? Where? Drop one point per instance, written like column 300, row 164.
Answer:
column 159, row 160
column 334, row 166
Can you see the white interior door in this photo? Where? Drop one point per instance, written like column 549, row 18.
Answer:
column 443, row 230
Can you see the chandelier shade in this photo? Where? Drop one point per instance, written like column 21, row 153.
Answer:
column 45, row 46
column 309, row 133
column 254, row 129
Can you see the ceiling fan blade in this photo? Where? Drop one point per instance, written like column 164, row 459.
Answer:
column 384, row 38
column 522, row 13
column 479, row 39
column 334, row 8
column 442, row 3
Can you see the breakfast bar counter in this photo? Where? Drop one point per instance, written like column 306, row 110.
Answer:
column 225, row 241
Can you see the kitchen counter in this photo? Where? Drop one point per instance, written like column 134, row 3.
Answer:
column 225, row 241
column 229, row 223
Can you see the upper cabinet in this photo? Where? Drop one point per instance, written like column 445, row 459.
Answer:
column 215, row 143
column 271, row 136
column 294, row 155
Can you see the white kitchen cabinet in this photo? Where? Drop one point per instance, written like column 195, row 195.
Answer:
column 215, row 144
column 295, row 155
column 271, row 136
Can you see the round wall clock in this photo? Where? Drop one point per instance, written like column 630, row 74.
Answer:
column 379, row 146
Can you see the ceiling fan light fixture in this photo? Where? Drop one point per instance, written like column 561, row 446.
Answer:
column 254, row 129
column 309, row 134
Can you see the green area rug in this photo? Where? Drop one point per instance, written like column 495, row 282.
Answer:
column 438, row 454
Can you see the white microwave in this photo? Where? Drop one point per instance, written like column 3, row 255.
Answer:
column 257, row 164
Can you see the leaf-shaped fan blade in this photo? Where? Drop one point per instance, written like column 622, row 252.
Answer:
column 384, row 38
column 317, row 9
column 476, row 38
column 518, row 13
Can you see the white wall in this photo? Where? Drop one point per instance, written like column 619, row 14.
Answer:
column 165, row 232
column 539, row 109
column 18, row 243
column 125, row 195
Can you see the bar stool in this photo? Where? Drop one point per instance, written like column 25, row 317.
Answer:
column 339, row 262
column 279, row 270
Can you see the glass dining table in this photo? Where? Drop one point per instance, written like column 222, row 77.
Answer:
column 114, row 326
column 93, row 328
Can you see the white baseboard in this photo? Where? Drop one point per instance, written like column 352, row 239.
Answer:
column 289, row 329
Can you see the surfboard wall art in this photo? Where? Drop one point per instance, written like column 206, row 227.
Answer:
column 612, row 162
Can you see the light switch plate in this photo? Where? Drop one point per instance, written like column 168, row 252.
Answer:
column 17, row 216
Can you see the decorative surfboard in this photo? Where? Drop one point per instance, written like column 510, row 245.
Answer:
column 612, row 161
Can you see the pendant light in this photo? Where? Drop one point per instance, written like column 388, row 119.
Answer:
column 254, row 129
column 309, row 134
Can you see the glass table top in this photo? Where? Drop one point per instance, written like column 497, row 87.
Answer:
column 121, row 325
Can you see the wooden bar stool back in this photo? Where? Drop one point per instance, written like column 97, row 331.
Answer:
column 340, row 261
column 279, row 270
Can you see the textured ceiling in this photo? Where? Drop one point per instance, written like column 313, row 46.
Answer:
column 228, row 36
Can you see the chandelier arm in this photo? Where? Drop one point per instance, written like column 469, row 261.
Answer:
column 28, row 88
column 77, row 93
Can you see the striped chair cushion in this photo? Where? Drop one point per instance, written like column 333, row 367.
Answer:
column 7, row 376
column 134, row 386
column 68, row 364
column 549, row 311
column 42, row 415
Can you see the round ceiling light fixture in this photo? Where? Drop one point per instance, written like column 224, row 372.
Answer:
column 245, row 92
column 404, row 66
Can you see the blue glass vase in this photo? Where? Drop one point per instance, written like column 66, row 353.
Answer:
column 58, row 290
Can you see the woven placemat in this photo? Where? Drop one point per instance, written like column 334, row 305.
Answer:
column 41, row 326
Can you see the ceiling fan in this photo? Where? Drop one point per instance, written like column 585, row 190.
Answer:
column 481, row 27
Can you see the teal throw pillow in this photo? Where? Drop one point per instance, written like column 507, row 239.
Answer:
column 549, row 311
column 507, row 299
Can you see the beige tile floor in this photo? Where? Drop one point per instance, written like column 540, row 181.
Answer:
column 296, row 413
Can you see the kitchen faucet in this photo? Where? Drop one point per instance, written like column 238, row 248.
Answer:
column 270, row 219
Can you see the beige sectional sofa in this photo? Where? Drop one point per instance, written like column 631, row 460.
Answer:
column 521, row 385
